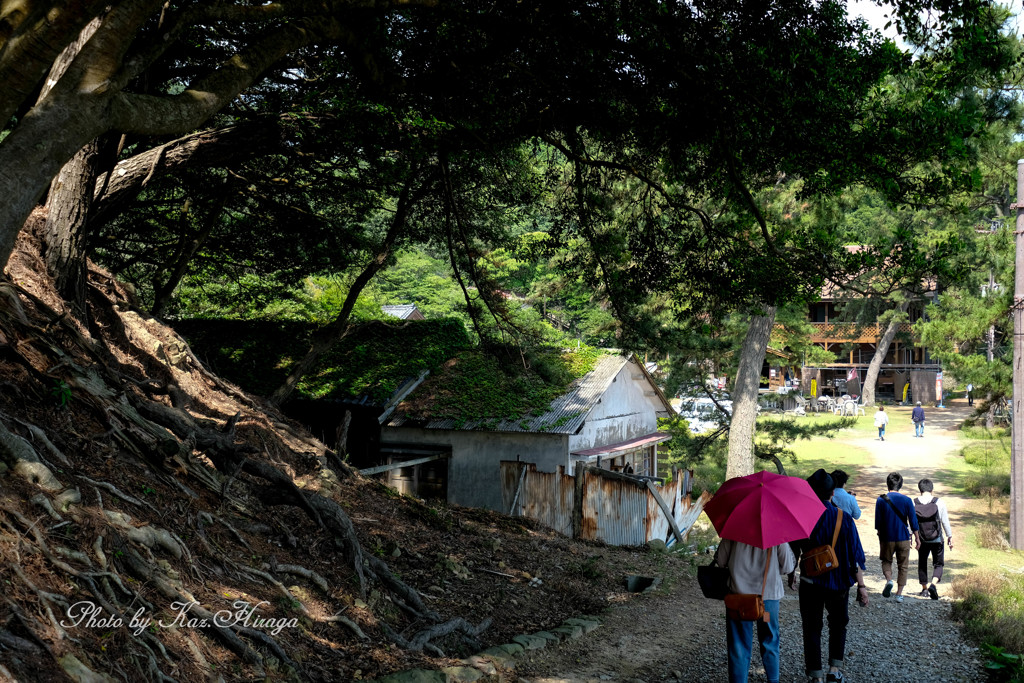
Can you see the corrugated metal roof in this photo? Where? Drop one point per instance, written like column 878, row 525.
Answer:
column 402, row 311
column 626, row 446
column 565, row 415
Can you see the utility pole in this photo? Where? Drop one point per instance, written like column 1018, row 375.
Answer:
column 991, row 328
column 1017, row 443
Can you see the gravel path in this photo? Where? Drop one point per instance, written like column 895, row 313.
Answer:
column 680, row 636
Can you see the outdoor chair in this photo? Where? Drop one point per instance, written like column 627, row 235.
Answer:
column 801, row 405
column 853, row 408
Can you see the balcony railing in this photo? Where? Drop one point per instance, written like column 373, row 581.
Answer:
column 851, row 332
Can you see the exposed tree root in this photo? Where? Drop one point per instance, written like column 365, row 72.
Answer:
column 137, row 389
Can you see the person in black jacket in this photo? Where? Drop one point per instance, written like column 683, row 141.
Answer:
column 829, row 591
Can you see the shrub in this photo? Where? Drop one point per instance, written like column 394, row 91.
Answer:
column 980, row 433
column 991, row 608
column 990, row 536
column 986, row 453
column 987, row 484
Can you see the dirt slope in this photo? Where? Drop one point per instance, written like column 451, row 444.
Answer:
column 134, row 481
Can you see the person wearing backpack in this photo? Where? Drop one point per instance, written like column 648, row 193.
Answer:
column 827, row 589
column 894, row 513
column 932, row 521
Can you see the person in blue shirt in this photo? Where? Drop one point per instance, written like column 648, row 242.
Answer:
column 830, row 591
column 917, row 417
column 843, row 499
column 896, row 524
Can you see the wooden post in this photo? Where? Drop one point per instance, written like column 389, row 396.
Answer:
column 577, row 499
column 519, row 489
column 1017, row 444
column 668, row 513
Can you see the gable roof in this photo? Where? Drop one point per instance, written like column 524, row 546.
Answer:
column 403, row 311
column 566, row 414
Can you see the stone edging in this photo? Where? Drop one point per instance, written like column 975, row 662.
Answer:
column 484, row 666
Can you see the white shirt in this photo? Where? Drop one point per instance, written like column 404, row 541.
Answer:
column 881, row 418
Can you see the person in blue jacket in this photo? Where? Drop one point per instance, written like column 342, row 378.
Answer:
column 830, row 591
column 896, row 524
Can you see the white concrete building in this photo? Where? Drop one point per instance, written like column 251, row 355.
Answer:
column 608, row 417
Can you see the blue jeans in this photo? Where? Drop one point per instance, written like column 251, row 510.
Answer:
column 881, row 432
column 919, row 429
column 739, row 636
column 814, row 602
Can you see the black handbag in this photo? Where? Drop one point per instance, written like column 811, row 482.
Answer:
column 713, row 581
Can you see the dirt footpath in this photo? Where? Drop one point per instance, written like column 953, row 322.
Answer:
column 680, row 636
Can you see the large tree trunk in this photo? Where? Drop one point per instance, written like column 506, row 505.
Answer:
column 744, row 395
column 88, row 102
column 225, row 146
column 871, row 376
column 67, row 213
column 70, row 198
column 32, row 35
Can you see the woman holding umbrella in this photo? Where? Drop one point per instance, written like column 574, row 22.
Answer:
column 756, row 516
column 829, row 591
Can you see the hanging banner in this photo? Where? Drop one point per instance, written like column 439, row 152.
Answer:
column 938, row 386
column 851, row 374
column 906, row 388
column 814, row 387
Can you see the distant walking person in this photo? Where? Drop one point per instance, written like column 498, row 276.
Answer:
column 843, row 499
column 932, row 521
column 970, row 394
column 894, row 512
column 881, row 419
column 917, row 417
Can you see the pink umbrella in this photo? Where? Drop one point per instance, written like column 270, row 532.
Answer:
column 764, row 509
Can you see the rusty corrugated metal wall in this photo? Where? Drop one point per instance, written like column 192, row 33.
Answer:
column 618, row 509
column 615, row 511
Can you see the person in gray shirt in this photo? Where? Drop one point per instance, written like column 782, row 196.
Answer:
column 746, row 574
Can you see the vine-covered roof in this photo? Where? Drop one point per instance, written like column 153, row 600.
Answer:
column 465, row 385
column 369, row 363
column 471, row 393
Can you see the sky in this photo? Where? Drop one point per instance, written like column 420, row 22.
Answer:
column 875, row 15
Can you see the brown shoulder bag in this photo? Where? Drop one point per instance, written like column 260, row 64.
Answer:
column 817, row 561
column 749, row 606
